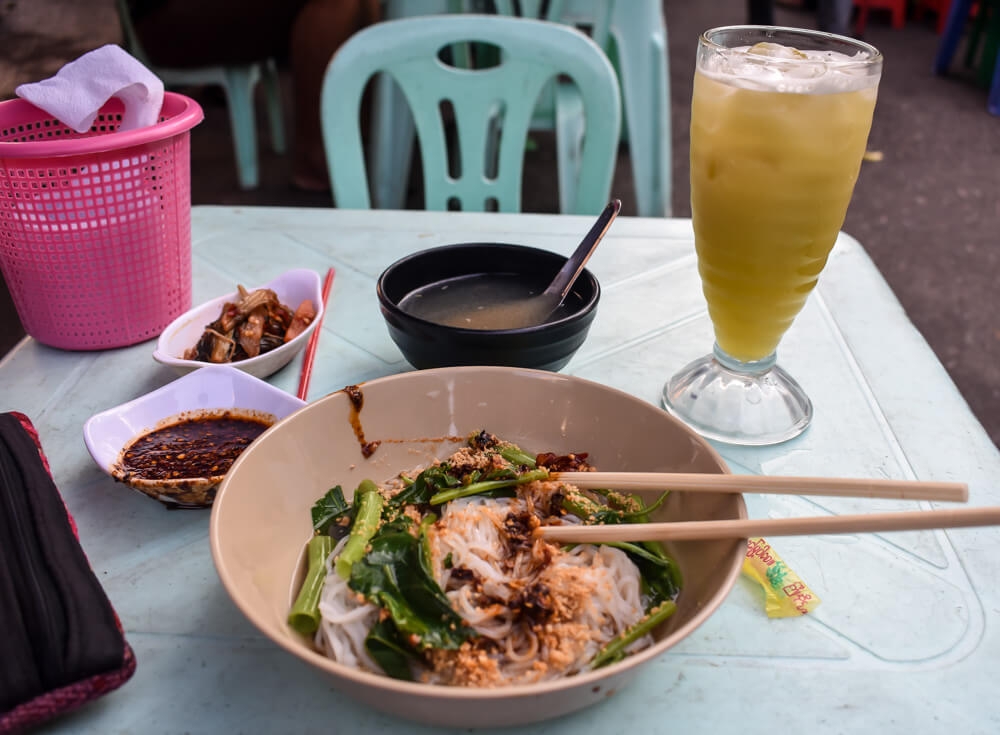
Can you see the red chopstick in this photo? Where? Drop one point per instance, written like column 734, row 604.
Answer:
column 307, row 363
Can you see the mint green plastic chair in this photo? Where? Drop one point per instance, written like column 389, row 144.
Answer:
column 238, row 83
column 503, row 97
column 634, row 36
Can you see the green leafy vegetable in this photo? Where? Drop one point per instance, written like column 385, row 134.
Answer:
column 621, row 501
column 642, row 514
column 368, row 502
column 484, row 441
column 392, row 576
column 487, row 486
column 662, row 580
column 517, row 457
column 304, row 615
column 429, row 482
column 329, row 509
column 592, row 512
column 637, row 552
column 615, row 649
column 586, row 509
column 386, row 646
column 660, row 573
column 502, row 473
column 399, row 524
column 425, row 543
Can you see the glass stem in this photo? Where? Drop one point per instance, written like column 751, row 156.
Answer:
column 754, row 367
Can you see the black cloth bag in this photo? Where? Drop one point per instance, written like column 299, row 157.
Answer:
column 62, row 643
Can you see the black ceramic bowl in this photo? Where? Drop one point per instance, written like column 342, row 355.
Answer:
column 426, row 344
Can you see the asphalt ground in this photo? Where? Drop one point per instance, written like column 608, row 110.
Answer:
column 927, row 211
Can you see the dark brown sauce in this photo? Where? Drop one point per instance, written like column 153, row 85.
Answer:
column 425, row 440
column 203, row 446
column 357, row 399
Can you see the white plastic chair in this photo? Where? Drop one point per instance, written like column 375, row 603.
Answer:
column 238, row 83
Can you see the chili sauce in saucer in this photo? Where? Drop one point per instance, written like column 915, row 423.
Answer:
column 197, row 447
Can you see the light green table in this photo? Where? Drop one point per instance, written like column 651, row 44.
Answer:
column 907, row 639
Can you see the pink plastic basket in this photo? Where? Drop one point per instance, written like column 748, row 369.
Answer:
column 95, row 227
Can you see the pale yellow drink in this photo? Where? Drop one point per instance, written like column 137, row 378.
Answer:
column 772, row 173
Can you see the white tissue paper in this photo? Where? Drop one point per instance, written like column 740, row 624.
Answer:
column 77, row 92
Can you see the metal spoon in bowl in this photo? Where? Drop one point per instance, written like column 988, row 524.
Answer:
column 538, row 308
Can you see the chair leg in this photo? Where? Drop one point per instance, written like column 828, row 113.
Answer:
column 991, row 44
column 275, row 111
column 240, row 82
column 942, row 16
column 976, row 29
column 859, row 26
column 392, row 128
column 392, row 145
column 993, row 104
column 957, row 15
column 645, row 93
column 899, row 14
column 569, row 145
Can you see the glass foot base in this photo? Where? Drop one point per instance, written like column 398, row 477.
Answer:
column 750, row 403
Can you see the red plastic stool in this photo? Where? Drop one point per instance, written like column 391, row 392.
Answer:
column 940, row 7
column 897, row 7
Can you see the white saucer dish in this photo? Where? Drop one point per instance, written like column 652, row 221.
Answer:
column 213, row 388
column 292, row 288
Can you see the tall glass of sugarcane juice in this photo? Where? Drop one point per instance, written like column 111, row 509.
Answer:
column 779, row 125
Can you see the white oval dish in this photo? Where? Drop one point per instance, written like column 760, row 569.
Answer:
column 292, row 288
column 213, row 388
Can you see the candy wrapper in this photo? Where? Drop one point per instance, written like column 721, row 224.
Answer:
column 785, row 595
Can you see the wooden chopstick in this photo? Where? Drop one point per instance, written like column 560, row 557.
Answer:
column 747, row 528
column 835, row 486
column 310, row 356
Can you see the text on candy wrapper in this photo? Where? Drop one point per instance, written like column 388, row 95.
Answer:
column 757, row 548
column 798, row 593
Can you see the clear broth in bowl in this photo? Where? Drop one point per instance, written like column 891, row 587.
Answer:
column 484, row 301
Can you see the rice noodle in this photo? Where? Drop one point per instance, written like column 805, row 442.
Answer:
column 540, row 612
column 345, row 619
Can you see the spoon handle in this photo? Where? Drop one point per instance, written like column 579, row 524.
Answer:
column 567, row 274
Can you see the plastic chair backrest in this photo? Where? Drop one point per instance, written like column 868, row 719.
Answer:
column 633, row 34
column 599, row 15
column 532, row 53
